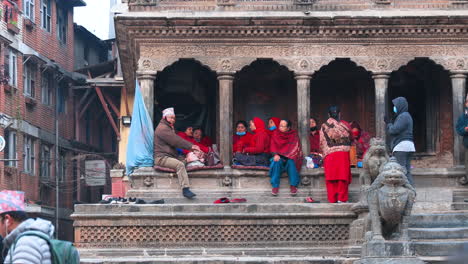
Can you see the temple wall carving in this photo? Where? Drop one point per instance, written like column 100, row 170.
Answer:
column 303, row 58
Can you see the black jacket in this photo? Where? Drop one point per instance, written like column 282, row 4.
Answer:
column 402, row 128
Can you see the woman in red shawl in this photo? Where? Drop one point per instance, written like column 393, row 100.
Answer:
column 335, row 142
column 258, row 151
column 241, row 138
column 285, row 147
column 187, row 134
column 361, row 139
column 273, row 124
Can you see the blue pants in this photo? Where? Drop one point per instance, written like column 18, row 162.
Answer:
column 278, row 167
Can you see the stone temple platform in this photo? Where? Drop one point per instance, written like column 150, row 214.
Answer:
column 266, row 229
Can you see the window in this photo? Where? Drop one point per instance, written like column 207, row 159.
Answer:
column 29, row 79
column 63, row 167
column 62, row 24
column 28, row 6
column 10, row 148
column 11, row 67
column 47, row 87
column 45, row 14
column 28, row 155
column 45, row 162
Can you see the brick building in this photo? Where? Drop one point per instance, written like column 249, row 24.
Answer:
column 37, row 58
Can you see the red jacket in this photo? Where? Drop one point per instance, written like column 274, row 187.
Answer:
column 193, row 141
column 260, row 142
column 241, row 142
column 314, row 142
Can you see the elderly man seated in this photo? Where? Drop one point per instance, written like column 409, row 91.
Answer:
column 166, row 142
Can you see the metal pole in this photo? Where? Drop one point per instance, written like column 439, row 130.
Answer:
column 57, row 188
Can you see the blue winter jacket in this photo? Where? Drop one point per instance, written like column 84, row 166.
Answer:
column 462, row 122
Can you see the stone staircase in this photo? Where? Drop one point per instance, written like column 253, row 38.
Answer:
column 459, row 197
column 437, row 236
column 245, row 233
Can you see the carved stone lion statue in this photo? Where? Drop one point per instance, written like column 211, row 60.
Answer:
column 391, row 200
column 375, row 157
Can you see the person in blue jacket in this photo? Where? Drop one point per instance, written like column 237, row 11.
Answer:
column 462, row 130
column 401, row 134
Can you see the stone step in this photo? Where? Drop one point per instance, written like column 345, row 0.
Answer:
column 436, row 260
column 253, row 196
column 460, row 195
column 460, row 206
column 439, row 233
column 440, row 220
column 224, row 260
column 220, row 210
column 438, row 248
column 295, row 251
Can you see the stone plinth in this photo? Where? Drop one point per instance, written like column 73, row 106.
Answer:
column 213, row 229
column 388, row 252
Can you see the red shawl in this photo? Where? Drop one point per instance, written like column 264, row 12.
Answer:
column 193, row 141
column 287, row 144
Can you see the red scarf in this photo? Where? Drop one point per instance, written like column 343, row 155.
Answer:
column 287, row 144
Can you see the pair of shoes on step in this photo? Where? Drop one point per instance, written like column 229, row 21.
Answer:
column 292, row 191
column 187, row 193
column 226, row 200
column 114, row 200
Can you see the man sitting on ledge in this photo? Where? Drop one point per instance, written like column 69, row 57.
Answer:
column 166, row 141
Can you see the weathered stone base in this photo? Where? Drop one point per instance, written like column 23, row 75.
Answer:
column 394, row 260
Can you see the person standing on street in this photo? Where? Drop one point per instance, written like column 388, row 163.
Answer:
column 401, row 133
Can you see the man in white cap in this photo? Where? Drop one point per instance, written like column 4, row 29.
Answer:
column 166, row 141
column 14, row 222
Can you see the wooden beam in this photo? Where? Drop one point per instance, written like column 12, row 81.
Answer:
column 106, row 109
column 83, row 99
column 85, row 107
column 124, row 89
column 114, row 108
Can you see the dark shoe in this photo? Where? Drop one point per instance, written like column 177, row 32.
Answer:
column 187, row 193
column 140, row 201
column 157, row 201
column 222, row 200
column 132, row 200
column 293, row 190
column 275, row 191
column 105, row 201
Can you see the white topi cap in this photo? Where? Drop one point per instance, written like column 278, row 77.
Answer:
column 168, row 111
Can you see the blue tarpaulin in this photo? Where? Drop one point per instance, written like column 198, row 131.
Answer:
column 140, row 140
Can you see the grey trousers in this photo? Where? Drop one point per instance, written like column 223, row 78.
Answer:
column 178, row 166
column 404, row 159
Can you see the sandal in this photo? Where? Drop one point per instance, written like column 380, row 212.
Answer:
column 309, row 199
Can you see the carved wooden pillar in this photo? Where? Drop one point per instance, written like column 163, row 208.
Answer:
column 381, row 93
column 458, row 99
column 226, row 80
column 303, row 109
column 146, row 79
